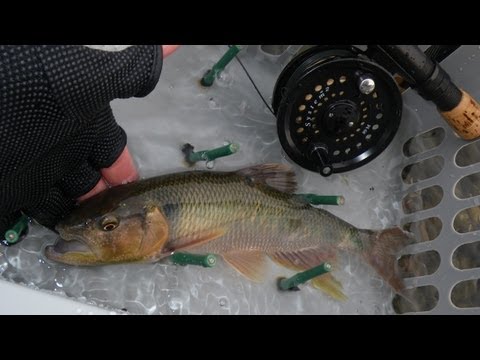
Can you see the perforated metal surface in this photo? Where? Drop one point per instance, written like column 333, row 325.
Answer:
column 420, row 117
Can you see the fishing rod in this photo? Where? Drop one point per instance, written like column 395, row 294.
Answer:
column 432, row 82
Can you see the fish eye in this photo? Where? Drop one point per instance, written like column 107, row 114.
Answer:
column 109, row 223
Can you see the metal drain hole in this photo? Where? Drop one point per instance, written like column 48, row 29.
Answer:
column 466, row 294
column 275, row 50
column 422, row 170
column 468, row 154
column 468, row 186
column 424, row 298
column 422, row 200
column 421, row 264
column 467, row 220
column 424, row 141
column 425, row 230
column 466, row 256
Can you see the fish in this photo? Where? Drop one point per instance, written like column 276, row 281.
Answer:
column 246, row 217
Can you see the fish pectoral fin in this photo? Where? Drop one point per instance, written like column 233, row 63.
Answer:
column 304, row 259
column 278, row 176
column 329, row 285
column 198, row 239
column 252, row 265
column 156, row 231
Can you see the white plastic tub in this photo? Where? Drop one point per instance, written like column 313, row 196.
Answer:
column 180, row 111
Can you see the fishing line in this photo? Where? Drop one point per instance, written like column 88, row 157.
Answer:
column 254, row 85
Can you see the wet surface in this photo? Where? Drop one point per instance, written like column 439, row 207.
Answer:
column 180, row 111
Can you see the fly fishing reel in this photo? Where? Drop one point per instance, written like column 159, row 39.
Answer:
column 336, row 109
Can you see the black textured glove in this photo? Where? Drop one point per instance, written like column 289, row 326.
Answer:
column 56, row 125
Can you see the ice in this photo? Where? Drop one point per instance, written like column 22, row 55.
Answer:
column 180, row 111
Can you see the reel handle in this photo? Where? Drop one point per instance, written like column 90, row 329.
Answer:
column 319, row 153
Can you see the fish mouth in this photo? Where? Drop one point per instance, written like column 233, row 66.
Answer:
column 69, row 249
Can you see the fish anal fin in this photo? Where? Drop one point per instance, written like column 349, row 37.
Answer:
column 252, row 265
column 304, row 259
column 309, row 258
column 277, row 176
column 329, row 285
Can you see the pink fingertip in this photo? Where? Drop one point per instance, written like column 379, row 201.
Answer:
column 122, row 171
column 169, row 49
column 101, row 185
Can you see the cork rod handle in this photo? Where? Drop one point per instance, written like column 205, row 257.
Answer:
column 465, row 117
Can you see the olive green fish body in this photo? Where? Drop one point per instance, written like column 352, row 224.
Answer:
column 241, row 216
column 255, row 217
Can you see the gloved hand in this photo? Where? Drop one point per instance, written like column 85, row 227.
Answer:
column 59, row 139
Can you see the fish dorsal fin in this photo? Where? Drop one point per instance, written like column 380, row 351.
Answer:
column 304, row 259
column 278, row 176
column 252, row 265
column 329, row 285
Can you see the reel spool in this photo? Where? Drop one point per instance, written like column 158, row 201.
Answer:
column 336, row 109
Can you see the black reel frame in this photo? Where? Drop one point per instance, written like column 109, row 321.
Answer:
column 336, row 109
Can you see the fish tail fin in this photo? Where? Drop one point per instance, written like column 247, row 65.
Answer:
column 380, row 251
